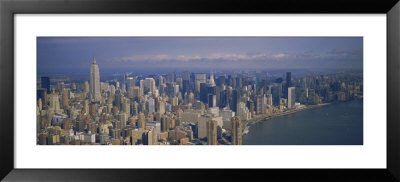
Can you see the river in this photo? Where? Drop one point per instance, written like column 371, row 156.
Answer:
column 333, row 124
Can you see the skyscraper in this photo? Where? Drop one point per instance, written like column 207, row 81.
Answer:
column 288, row 83
column 199, row 78
column 260, row 106
column 141, row 86
column 211, row 132
column 186, row 86
column 288, row 79
column 212, row 100
column 243, row 112
column 54, row 103
column 164, row 124
column 141, row 122
column 41, row 94
column 95, row 94
column 276, row 95
column 236, row 124
column 65, row 99
column 291, row 97
column 212, row 82
column 150, row 105
column 149, row 85
column 171, row 77
column 203, row 92
column 130, row 82
column 235, row 100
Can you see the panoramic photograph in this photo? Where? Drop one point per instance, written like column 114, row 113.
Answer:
column 199, row 91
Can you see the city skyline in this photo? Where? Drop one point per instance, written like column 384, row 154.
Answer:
column 165, row 54
column 199, row 108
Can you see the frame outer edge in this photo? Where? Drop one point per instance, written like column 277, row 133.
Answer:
column 393, row 84
column 7, row 89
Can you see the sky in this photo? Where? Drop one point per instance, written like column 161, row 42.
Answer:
column 162, row 54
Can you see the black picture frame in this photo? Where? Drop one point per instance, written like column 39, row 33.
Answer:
column 8, row 8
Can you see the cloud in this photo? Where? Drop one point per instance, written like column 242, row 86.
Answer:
column 134, row 58
column 279, row 56
column 210, row 57
column 340, row 52
column 333, row 54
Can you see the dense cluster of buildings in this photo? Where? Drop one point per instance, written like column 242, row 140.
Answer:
column 176, row 108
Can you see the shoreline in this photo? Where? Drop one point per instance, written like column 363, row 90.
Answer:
column 257, row 119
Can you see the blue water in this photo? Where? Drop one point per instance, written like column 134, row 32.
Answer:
column 334, row 124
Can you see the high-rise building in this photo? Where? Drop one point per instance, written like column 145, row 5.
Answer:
column 199, row 78
column 149, row 85
column 141, row 122
column 291, row 97
column 260, row 106
column 150, row 105
column 217, row 95
column 276, row 95
column 186, row 86
column 95, row 94
column 93, row 110
column 174, row 101
column 45, row 83
column 250, row 106
column 134, row 92
column 65, row 99
column 126, row 106
column 42, row 95
column 227, row 114
column 211, row 132
column 170, row 89
column 86, row 107
column 141, row 87
column 130, row 82
column 203, row 93
column 288, row 84
column 223, row 100
column 238, row 82
column 236, row 124
column 160, row 106
column 235, row 99
column 147, row 137
column 186, row 75
column 135, row 108
column 269, row 99
column 220, row 81
column 211, row 82
column 86, row 87
column 212, row 100
column 288, row 79
column 54, row 103
column 160, row 81
column 191, row 98
column 176, row 90
column 171, row 77
column 243, row 112
column 164, row 124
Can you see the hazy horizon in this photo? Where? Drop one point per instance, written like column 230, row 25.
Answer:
column 73, row 55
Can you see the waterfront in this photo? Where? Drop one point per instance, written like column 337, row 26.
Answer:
column 334, row 124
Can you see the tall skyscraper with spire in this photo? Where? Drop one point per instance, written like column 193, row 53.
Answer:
column 95, row 94
column 212, row 82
